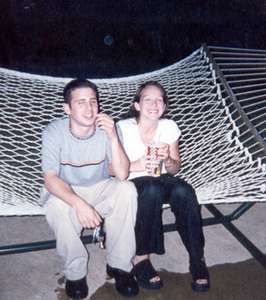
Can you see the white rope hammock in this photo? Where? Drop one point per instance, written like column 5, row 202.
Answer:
column 216, row 159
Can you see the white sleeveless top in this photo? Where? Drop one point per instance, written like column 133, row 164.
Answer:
column 166, row 132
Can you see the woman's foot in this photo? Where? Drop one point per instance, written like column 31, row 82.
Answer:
column 146, row 275
column 200, row 276
column 200, row 285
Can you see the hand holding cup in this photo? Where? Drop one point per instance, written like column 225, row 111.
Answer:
column 153, row 160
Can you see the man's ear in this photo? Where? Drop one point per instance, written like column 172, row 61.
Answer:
column 136, row 105
column 66, row 108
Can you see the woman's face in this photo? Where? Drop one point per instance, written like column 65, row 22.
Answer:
column 151, row 105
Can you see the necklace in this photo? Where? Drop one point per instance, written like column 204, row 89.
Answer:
column 79, row 137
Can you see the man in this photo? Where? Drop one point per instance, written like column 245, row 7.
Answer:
column 77, row 152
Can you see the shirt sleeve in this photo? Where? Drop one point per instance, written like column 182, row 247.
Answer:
column 50, row 149
column 169, row 132
column 119, row 132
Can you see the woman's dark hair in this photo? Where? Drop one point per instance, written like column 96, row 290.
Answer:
column 133, row 113
column 76, row 84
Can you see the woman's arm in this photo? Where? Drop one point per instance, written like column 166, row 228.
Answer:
column 171, row 157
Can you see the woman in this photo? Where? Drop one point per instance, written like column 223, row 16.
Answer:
column 145, row 127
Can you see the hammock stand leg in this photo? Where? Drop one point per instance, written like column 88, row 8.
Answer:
column 226, row 221
column 218, row 218
column 36, row 246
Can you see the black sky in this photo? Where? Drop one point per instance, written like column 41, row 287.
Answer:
column 105, row 38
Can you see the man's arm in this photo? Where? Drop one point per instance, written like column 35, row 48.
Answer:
column 138, row 165
column 120, row 162
column 87, row 215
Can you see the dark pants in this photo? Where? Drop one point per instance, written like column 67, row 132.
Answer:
column 152, row 193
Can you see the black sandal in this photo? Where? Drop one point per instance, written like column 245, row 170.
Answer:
column 200, row 287
column 200, row 273
column 144, row 272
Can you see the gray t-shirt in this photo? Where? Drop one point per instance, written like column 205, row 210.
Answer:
column 77, row 162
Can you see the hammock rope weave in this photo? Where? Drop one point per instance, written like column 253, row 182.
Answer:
column 222, row 157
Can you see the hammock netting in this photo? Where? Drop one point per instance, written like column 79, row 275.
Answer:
column 222, row 161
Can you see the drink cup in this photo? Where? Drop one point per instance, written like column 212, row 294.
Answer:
column 152, row 156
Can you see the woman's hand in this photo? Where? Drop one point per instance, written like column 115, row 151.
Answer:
column 164, row 151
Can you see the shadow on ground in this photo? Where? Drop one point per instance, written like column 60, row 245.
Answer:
column 245, row 281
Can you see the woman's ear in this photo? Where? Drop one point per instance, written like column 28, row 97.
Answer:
column 67, row 108
column 136, row 105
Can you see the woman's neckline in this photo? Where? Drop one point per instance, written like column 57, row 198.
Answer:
column 151, row 138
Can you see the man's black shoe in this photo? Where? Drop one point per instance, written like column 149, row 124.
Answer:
column 77, row 289
column 125, row 282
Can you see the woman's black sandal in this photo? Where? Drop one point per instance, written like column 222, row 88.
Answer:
column 200, row 273
column 144, row 272
column 200, row 287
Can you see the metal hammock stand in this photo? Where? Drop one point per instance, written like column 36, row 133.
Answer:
column 240, row 81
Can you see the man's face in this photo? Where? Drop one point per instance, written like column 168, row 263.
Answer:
column 83, row 107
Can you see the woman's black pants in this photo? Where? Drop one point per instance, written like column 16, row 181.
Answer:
column 153, row 192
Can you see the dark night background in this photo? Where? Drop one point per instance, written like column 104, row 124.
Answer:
column 105, row 38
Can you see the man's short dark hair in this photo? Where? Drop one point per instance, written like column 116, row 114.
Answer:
column 76, row 84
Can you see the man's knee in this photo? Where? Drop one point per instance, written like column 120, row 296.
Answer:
column 55, row 210
column 126, row 196
column 127, row 188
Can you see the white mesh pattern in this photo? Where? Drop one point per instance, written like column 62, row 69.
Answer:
column 214, row 160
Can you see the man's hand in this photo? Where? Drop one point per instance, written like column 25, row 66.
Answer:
column 107, row 124
column 87, row 215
